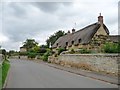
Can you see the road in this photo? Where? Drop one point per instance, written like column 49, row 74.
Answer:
column 28, row 74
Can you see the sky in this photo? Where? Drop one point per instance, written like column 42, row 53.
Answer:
column 38, row 19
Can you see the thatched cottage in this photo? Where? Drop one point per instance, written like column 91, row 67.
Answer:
column 90, row 37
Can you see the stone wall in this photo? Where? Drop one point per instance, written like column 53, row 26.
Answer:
column 17, row 57
column 105, row 63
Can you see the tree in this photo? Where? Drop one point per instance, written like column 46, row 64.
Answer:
column 29, row 44
column 12, row 52
column 4, row 53
column 51, row 40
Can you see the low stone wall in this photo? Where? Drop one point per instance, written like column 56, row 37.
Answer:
column 105, row 63
column 17, row 57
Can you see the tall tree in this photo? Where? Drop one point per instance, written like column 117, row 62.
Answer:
column 29, row 44
column 51, row 40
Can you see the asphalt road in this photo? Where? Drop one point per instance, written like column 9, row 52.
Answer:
column 28, row 74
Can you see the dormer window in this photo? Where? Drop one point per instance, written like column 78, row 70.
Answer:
column 79, row 40
column 66, row 43
column 57, row 44
column 72, row 42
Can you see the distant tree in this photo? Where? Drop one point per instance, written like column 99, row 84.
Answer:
column 51, row 40
column 4, row 52
column 11, row 52
column 0, row 50
column 29, row 44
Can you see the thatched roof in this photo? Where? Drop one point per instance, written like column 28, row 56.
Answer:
column 82, row 36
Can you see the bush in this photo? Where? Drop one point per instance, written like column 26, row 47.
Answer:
column 85, row 51
column 31, row 55
column 111, row 48
column 42, row 50
column 61, row 50
column 23, row 53
column 72, row 51
column 46, row 55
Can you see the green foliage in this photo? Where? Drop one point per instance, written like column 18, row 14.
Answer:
column 51, row 40
column 4, row 52
column 29, row 43
column 72, row 51
column 31, row 54
column 12, row 53
column 111, row 47
column 61, row 50
column 5, row 68
column 0, row 77
column 46, row 55
column 83, row 51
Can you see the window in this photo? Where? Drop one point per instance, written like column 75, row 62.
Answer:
column 66, row 43
column 79, row 40
column 57, row 44
column 72, row 42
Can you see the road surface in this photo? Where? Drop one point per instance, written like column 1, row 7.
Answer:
column 28, row 74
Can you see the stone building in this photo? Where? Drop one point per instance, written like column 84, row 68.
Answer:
column 22, row 49
column 90, row 37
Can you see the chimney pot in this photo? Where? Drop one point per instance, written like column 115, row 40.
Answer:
column 100, row 19
column 73, row 30
column 68, row 32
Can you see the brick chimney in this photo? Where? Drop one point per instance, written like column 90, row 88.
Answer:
column 73, row 30
column 68, row 32
column 100, row 19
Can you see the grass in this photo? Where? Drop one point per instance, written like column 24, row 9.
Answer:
column 3, row 72
column 0, row 77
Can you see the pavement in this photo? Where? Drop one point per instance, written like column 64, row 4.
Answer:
column 29, row 74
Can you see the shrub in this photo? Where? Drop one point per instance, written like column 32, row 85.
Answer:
column 61, row 50
column 23, row 53
column 111, row 48
column 85, row 51
column 31, row 55
column 72, row 51
column 46, row 55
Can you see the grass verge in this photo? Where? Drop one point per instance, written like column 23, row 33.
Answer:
column 0, row 76
column 4, row 71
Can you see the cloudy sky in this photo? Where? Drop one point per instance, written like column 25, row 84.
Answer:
column 22, row 19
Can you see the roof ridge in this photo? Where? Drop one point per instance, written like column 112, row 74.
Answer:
column 86, row 27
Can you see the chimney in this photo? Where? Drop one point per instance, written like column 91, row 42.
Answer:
column 73, row 30
column 100, row 19
column 68, row 32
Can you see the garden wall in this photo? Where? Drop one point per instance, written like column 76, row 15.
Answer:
column 106, row 63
